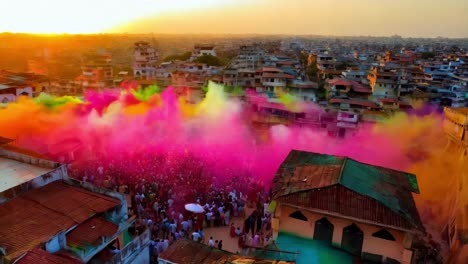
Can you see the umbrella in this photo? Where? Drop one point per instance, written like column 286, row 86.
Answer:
column 194, row 208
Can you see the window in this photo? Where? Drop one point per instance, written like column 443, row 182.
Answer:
column 384, row 234
column 299, row 216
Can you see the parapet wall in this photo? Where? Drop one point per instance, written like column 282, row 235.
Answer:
column 36, row 161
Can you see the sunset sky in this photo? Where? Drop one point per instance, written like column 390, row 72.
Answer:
column 415, row 18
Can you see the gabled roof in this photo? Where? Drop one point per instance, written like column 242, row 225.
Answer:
column 305, row 172
column 37, row 216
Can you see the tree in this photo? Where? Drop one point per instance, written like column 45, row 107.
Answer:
column 210, row 60
column 311, row 71
column 343, row 66
column 427, row 55
column 183, row 57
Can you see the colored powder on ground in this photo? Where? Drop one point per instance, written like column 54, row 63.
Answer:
column 311, row 251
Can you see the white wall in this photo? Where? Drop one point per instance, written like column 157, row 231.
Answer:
column 7, row 98
column 142, row 257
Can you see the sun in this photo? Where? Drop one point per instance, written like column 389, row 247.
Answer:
column 87, row 16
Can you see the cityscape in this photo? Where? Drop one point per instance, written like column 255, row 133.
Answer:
column 158, row 135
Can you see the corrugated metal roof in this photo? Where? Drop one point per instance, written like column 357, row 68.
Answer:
column 40, row 214
column 304, row 172
column 338, row 200
column 90, row 232
column 38, row 255
column 191, row 252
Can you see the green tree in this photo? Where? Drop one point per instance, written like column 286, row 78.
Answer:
column 183, row 57
column 311, row 71
column 427, row 55
column 210, row 60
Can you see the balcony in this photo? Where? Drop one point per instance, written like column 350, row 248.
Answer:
column 132, row 249
column 346, row 125
column 349, row 119
column 274, row 84
column 87, row 252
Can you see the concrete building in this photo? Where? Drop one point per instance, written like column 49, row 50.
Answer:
column 385, row 83
column 456, row 129
column 144, row 61
column 45, row 215
column 272, row 80
column 13, row 85
column 366, row 210
column 202, row 50
column 250, row 57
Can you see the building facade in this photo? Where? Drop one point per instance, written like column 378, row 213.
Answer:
column 344, row 203
column 144, row 61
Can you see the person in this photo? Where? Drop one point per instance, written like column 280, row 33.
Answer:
column 256, row 240
column 196, row 236
column 173, row 227
column 185, row 225
column 202, row 234
column 216, row 243
column 220, row 245
column 226, row 217
column 238, row 231
column 232, row 232
column 211, row 242
column 208, row 218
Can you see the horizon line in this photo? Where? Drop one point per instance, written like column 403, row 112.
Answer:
column 229, row 34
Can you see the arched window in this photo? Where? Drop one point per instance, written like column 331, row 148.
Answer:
column 384, row 234
column 323, row 230
column 352, row 239
column 299, row 216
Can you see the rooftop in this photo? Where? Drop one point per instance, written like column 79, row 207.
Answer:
column 38, row 255
column 37, row 216
column 14, row 173
column 189, row 252
column 4, row 141
column 348, row 188
column 90, row 232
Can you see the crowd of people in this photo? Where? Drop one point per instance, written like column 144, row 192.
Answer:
column 158, row 200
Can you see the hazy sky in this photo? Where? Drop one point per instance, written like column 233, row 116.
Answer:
column 416, row 18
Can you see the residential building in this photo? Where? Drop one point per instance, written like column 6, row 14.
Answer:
column 96, row 72
column 145, row 57
column 303, row 90
column 456, row 129
column 347, row 88
column 202, row 50
column 362, row 220
column 272, row 80
column 385, row 83
column 250, row 57
column 45, row 215
column 13, row 85
column 354, row 75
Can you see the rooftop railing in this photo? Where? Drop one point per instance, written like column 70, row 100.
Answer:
column 132, row 248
